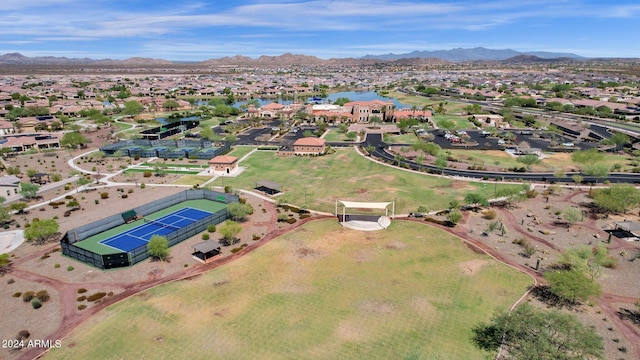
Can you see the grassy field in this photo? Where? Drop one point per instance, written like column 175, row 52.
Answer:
column 316, row 182
column 240, row 151
column 408, row 138
column 460, row 121
column 336, row 135
column 319, row 292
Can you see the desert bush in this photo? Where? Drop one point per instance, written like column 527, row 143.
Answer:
column 530, row 194
column 104, row 195
column 23, row 334
column 81, row 298
column 69, row 268
column 304, row 216
column 205, row 236
column 291, row 220
column 235, row 250
column 142, row 186
column 489, row 214
column 527, row 248
column 255, row 237
column 82, row 307
column 95, row 297
column 17, row 295
column 211, row 228
column 147, row 174
column 35, row 303
column 43, row 296
column 28, row 296
column 283, row 217
column 10, row 281
column 82, row 291
column 56, row 266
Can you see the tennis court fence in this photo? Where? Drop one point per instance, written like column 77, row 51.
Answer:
column 122, row 259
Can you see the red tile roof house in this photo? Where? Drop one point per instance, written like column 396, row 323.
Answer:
column 309, row 146
column 223, row 164
column 9, row 185
column 364, row 110
column 6, row 127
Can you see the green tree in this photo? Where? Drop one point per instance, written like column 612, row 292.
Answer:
column 529, row 160
column 476, row 199
column 239, row 211
column 616, row 139
column 341, row 101
column 132, row 107
column 588, row 260
column 587, row 157
column 207, row 133
column 572, row 285
column 158, row 247
column 375, row 120
column 229, row 230
column 441, row 161
column 4, row 260
column 73, row 139
column 351, row 135
column 618, row 198
column 572, row 215
column 598, row 171
column 18, row 207
column 447, row 124
column 5, row 215
column 171, row 104
column 454, row 216
column 41, row 231
column 530, row 334
column 29, row 190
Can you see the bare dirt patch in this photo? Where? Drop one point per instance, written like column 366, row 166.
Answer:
column 377, row 307
column 396, row 245
column 472, row 267
column 305, row 253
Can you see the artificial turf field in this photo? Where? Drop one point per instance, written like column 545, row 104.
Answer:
column 93, row 244
column 318, row 292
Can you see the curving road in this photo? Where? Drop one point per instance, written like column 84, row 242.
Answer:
column 381, row 153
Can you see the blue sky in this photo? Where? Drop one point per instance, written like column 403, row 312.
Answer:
column 189, row 30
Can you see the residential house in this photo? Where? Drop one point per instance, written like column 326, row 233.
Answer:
column 223, row 163
column 9, row 185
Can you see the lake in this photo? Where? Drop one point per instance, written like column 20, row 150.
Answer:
column 351, row 95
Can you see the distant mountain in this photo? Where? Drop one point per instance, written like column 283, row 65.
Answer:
column 477, row 53
column 19, row 59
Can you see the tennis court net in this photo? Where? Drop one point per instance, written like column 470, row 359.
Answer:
column 161, row 224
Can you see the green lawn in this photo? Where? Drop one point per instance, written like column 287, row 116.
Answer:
column 461, row 121
column 240, row 151
column 336, row 135
column 317, row 182
column 319, row 292
column 408, row 138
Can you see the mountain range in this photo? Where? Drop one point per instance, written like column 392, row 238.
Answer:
column 473, row 54
column 415, row 57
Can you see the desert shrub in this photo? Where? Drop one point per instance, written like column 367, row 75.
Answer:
column 81, row 298
column 255, row 237
column 124, row 196
column 96, row 201
column 28, row 296
column 235, row 250
column 609, row 263
column 142, row 186
column 211, row 228
column 82, row 307
column 17, row 295
column 530, row 194
column 527, row 248
column 282, row 217
column 36, row 304
column 205, row 236
column 104, row 195
column 69, row 268
column 56, row 266
column 242, row 200
column 10, row 281
column 489, row 214
column 147, row 174
column 291, row 220
column 304, row 216
column 82, row 291
column 129, row 191
column 68, row 197
column 43, row 296
column 228, row 189
column 23, row 334
column 96, row 296
column 45, row 256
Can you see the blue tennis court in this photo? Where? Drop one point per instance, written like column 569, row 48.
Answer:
column 140, row 235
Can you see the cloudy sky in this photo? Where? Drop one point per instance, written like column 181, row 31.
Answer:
column 189, row 30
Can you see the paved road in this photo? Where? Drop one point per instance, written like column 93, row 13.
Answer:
column 381, row 153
